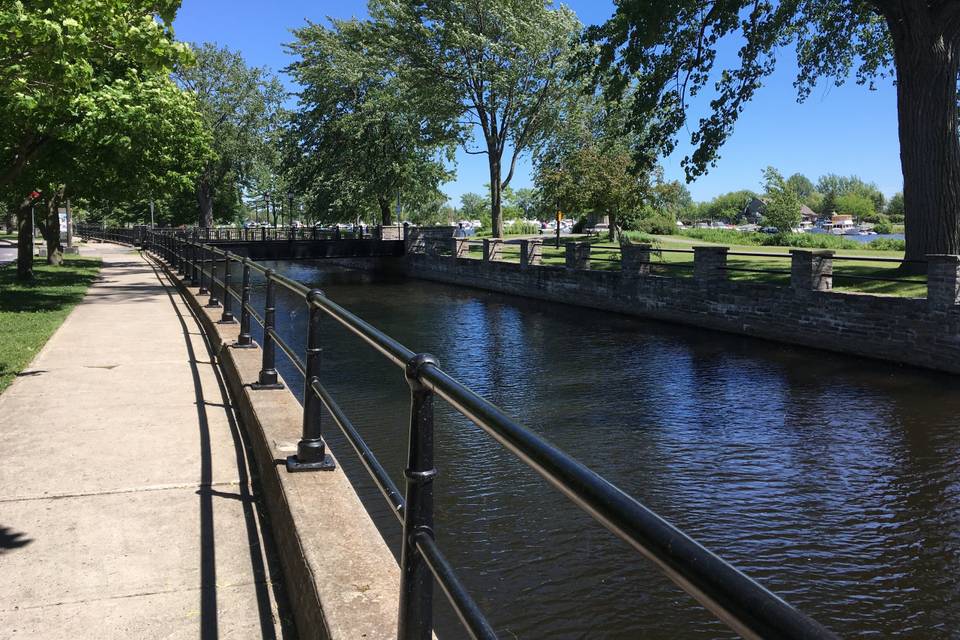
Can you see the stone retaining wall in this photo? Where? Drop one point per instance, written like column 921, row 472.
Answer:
column 918, row 331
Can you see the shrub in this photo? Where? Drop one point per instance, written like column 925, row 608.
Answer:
column 526, row 228
column 580, row 225
column 887, row 244
column 659, row 225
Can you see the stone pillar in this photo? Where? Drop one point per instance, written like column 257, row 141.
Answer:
column 578, row 255
column 811, row 270
column 459, row 247
column 635, row 259
column 531, row 253
column 492, row 247
column 709, row 263
column 943, row 281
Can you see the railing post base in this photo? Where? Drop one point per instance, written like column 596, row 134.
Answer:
column 261, row 386
column 294, row 464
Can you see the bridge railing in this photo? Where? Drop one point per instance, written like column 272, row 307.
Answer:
column 741, row 603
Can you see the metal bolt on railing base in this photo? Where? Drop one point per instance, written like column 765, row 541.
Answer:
column 240, row 345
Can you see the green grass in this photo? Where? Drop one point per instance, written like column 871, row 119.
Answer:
column 606, row 256
column 31, row 312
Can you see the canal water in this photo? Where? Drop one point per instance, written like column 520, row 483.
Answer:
column 834, row 481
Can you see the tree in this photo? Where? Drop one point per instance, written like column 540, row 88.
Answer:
column 728, row 207
column 895, row 207
column 58, row 57
column 242, row 108
column 783, row 204
column 857, row 205
column 502, row 65
column 92, row 91
column 802, row 186
column 358, row 121
column 669, row 50
column 474, row 206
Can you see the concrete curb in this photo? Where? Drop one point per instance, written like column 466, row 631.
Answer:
column 341, row 579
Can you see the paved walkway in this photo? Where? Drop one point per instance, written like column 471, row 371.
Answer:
column 125, row 503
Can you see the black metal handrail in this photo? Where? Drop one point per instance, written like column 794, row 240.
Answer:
column 744, row 605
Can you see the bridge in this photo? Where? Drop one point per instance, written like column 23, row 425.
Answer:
column 341, row 580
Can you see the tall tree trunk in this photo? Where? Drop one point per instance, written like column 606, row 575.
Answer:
column 614, row 231
column 51, row 228
column 205, row 201
column 927, row 67
column 25, row 241
column 385, row 218
column 496, row 206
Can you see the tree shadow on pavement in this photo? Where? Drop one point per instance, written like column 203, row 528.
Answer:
column 10, row 539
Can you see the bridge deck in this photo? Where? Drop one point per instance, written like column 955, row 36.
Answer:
column 125, row 503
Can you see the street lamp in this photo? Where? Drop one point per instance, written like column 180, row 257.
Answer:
column 290, row 206
column 266, row 200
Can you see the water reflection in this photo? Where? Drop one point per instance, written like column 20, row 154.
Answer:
column 834, row 481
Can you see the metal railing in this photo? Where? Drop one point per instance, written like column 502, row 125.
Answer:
column 741, row 603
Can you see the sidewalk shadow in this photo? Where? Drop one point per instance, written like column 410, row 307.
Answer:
column 10, row 539
column 209, row 629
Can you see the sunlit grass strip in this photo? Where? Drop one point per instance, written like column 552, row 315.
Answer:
column 30, row 313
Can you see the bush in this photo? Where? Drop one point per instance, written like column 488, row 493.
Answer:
column 887, row 244
column 580, row 225
column 658, row 225
column 883, row 226
column 526, row 228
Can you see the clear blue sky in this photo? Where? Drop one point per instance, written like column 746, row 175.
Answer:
column 845, row 130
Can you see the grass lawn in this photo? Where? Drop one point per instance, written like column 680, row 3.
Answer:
column 681, row 264
column 30, row 313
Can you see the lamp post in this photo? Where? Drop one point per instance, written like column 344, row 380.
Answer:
column 266, row 200
column 290, row 206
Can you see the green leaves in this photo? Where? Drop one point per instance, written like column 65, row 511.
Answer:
column 85, row 76
column 361, row 134
column 666, row 52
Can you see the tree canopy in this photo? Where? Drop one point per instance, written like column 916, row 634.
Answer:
column 242, row 108
column 668, row 52
column 500, row 66
column 359, row 137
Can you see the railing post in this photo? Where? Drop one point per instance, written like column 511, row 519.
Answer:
column 459, row 247
column 492, row 248
column 635, row 259
column 811, row 270
column 577, row 255
column 311, row 451
column 416, row 581
column 193, row 263
column 943, row 281
column 213, row 301
column 263, row 234
column 227, row 316
column 531, row 253
column 268, row 371
column 710, row 263
column 201, row 260
column 245, row 340
column 181, row 257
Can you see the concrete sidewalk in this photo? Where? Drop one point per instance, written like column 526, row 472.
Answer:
column 125, row 504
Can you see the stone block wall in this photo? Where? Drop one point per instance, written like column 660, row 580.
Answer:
column 913, row 331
